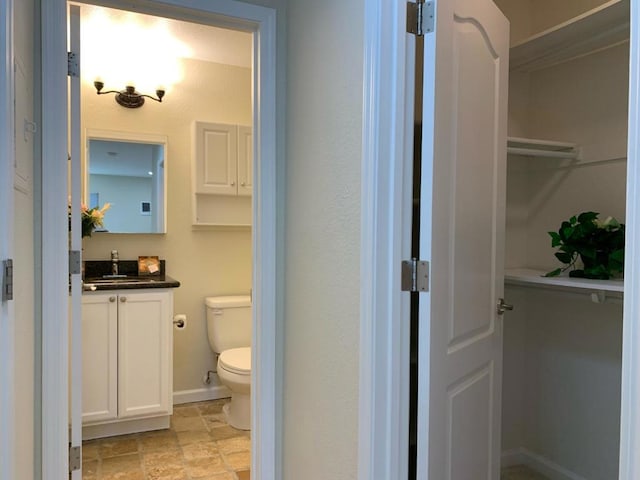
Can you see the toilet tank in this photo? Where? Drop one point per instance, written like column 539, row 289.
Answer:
column 228, row 322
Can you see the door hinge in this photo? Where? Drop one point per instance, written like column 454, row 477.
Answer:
column 420, row 17
column 73, row 69
column 75, row 261
column 75, row 458
column 415, row 276
column 7, row 280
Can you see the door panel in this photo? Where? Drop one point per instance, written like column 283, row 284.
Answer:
column 99, row 357
column 144, row 338
column 462, row 235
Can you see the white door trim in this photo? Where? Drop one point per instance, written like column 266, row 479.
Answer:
column 267, row 381
column 54, row 242
column 385, row 240
column 630, row 416
column 7, row 328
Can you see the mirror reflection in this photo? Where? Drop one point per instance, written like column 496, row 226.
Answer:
column 130, row 175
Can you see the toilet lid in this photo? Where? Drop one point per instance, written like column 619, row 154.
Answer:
column 236, row 360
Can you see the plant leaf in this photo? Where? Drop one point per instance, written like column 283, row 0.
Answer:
column 555, row 239
column 587, row 217
column 564, row 257
column 553, row 273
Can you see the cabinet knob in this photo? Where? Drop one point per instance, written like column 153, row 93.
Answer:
column 123, row 299
column 233, row 184
column 242, row 184
column 112, row 299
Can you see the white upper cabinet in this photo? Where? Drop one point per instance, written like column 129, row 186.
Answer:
column 223, row 157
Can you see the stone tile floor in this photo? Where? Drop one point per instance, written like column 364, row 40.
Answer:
column 199, row 445
column 520, row 472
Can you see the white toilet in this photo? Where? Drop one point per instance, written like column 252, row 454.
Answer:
column 229, row 331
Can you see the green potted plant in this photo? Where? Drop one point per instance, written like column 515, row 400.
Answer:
column 599, row 245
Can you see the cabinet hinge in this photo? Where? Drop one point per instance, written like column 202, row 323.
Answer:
column 75, row 458
column 415, row 276
column 75, row 261
column 73, row 69
column 7, row 280
column 420, row 17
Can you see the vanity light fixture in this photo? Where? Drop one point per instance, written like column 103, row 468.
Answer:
column 128, row 97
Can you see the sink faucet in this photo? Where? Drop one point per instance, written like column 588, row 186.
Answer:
column 114, row 262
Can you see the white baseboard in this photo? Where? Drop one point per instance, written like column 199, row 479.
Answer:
column 200, row 394
column 522, row 456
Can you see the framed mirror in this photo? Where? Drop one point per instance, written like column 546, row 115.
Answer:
column 127, row 170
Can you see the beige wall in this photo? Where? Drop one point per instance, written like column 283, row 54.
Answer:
column 24, row 297
column 206, row 262
column 321, row 323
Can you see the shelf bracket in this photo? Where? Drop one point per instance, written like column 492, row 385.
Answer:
column 599, row 296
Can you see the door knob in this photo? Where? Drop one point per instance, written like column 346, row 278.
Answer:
column 503, row 306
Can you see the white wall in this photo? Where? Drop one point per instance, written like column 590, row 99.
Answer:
column 206, row 262
column 324, row 121
column 127, row 194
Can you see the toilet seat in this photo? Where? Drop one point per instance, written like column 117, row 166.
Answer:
column 236, row 360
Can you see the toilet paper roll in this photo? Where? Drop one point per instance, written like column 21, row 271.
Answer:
column 180, row 321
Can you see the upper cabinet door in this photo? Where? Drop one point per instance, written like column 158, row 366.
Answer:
column 462, row 235
column 245, row 161
column 216, row 156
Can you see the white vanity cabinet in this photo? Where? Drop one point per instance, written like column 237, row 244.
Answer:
column 127, row 352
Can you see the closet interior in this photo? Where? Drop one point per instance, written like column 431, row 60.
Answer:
column 567, row 148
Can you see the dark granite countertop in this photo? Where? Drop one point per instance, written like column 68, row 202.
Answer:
column 97, row 276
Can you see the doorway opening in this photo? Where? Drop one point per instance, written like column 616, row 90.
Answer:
column 205, row 74
column 241, row 17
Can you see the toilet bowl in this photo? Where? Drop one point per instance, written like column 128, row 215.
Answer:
column 229, row 332
column 234, row 371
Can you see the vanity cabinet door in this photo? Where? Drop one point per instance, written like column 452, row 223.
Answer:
column 99, row 357
column 145, row 353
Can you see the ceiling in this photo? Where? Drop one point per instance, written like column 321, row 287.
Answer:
column 201, row 42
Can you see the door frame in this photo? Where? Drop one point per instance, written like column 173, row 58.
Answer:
column 630, row 395
column 267, row 334
column 384, row 385
column 7, row 317
column 386, row 179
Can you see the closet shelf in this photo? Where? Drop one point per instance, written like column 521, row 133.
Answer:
column 597, row 29
column 597, row 289
column 541, row 148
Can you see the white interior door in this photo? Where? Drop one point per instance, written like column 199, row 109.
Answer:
column 75, row 307
column 462, row 235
